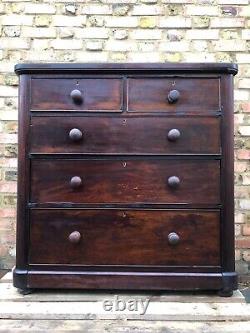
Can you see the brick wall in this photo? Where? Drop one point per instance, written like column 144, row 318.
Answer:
column 123, row 31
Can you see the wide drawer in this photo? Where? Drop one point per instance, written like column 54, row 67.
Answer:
column 96, row 94
column 125, row 135
column 195, row 95
column 115, row 237
column 126, row 181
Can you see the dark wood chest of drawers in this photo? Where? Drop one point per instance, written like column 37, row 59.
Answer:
column 126, row 177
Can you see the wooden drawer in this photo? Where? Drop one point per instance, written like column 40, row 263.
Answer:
column 97, row 94
column 125, row 135
column 196, row 95
column 114, row 237
column 126, row 181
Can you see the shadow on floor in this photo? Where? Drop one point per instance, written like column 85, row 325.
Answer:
column 3, row 272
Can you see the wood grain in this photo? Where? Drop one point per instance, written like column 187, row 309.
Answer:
column 196, row 94
column 114, row 237
column 125, row 135
column 98, row 94
column 126, row 181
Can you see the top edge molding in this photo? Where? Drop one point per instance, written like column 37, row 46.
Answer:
column 43, row 68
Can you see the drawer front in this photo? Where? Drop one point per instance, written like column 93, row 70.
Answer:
column 94, row 94
column 125, row 135
column 114, row 237
column 126, row 181
column 196, row 95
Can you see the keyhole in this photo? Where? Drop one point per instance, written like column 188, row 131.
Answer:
column 124, row 164
column 173, row 83
column 124, row 122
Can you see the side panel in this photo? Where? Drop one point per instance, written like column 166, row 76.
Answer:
column 227, row 173
column 22, row 232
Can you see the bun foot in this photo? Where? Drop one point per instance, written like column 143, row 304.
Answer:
column 225, row 293
column 25, row 291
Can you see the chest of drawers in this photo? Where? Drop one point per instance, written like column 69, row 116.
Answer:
column 125, row 177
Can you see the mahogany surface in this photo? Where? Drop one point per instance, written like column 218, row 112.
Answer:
column 125, row 181
column 125, row 135
column 125, row 177
column 114, row 237
column 98, row 94
column 197, row 95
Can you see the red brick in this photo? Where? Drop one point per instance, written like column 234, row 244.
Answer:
column 8, row 187
column 242, row 243
column 5, row 224
column 245, row 107
column 3, row 251
column 246, row 230
column 7, row 237
column 7, row 212
column 243, row 154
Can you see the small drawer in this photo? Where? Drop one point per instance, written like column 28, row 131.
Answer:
column 57, row 94
column 186, row 95
column 125, row 135
column 126, row 181
column 129, row 237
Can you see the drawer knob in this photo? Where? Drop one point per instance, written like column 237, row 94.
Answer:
column 173, row 181
column 76, row 95
column 173, row 96
column 173, row 238
column 74, row 237
column 75, row 182
column 174, row 134
column 75, row 134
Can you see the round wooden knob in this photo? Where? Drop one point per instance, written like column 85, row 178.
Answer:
column 174, row 134
column 75, row 182
column 173, row 96
column 74, row 237
column 75, row 134
column 76, row 96
column 173, row 238
column 173, row 181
